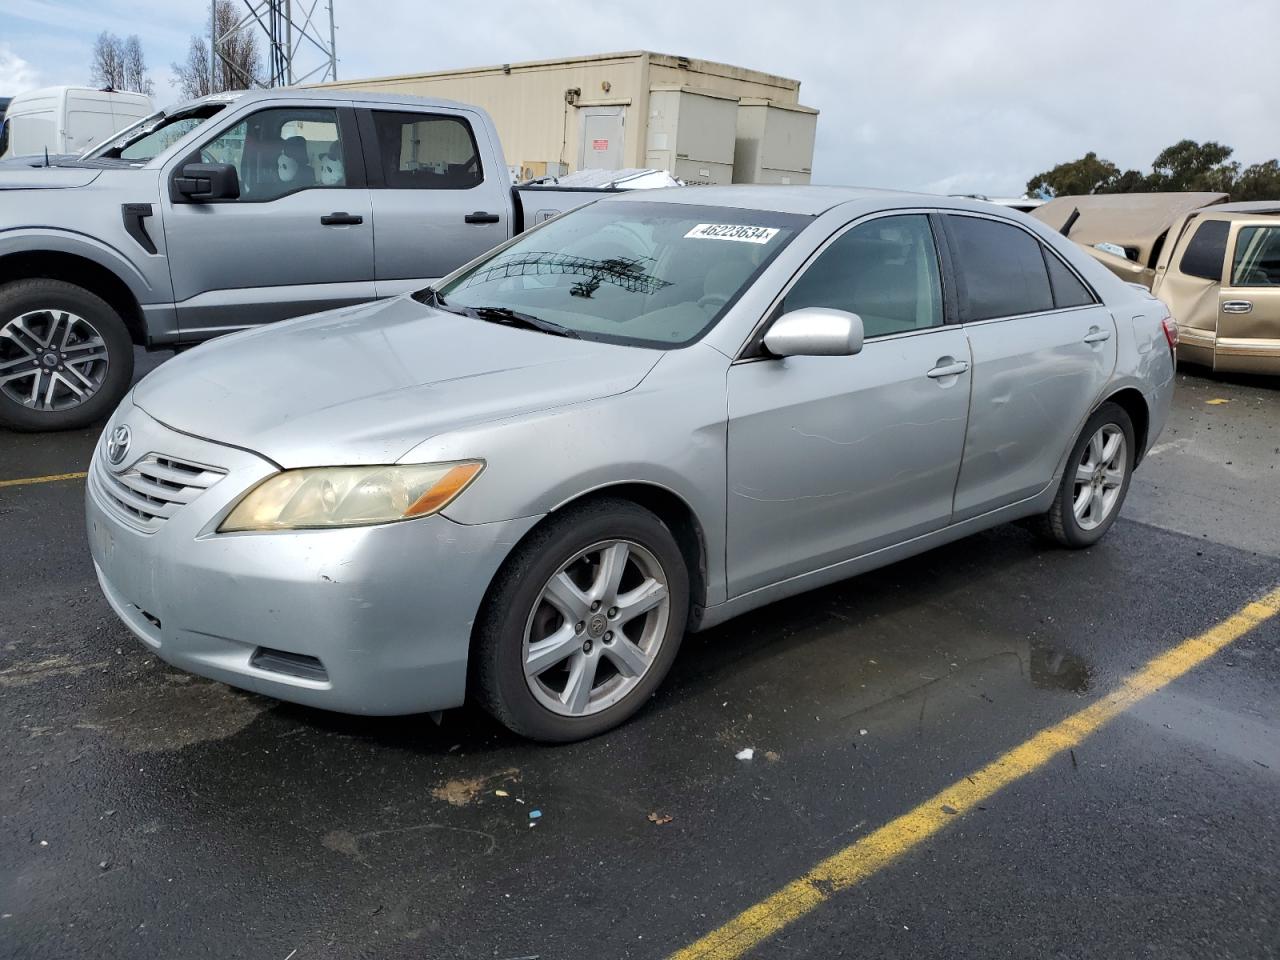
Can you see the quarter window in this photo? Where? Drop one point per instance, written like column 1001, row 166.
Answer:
column 1205, row 253
column 1257, row 259
column 280, row 151
column 422, row 152
column 1001, row 270
column 1068, row 291
column 884, row 270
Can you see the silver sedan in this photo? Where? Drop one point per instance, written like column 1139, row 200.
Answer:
column 526, row 483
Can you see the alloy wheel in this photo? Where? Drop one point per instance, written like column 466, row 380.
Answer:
column 1099, row 477
column 596, row 628
column 51, row 359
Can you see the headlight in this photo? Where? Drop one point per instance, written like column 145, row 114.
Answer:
column 350, row 496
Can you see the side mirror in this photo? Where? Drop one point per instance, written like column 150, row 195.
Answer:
column 208, row 181
column 815, row 332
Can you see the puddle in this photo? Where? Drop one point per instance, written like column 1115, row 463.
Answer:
column 1053, row 669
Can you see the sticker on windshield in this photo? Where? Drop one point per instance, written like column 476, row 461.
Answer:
column 741, row 232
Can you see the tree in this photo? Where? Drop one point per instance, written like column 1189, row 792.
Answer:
column 120, row 64
column 1188, row 165
column 1258, row 182
column 238, row 63
column 1089, row 174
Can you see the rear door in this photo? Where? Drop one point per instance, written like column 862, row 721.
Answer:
column 1043, row 349
column 1249, row 301
column 833, row 457
column 436, row 204
column 298, row 240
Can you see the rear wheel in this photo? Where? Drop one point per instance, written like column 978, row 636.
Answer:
column 582, row 623
column 66, row 357
column 1095, row 481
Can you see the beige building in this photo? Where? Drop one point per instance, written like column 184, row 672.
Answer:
column 705, row 122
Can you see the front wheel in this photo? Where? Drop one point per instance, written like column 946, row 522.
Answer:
column 1095, row 481
column 66, row 357
column 582, row 623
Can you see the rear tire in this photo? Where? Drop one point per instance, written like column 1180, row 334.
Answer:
column 563, row 650
column 1094, row 481
column 66, row 357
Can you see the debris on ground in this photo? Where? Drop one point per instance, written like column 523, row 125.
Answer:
column 745, row 754
column 660, row 818
column 535, row 814
column 772, row 756
column 1217, row 400
column 948, row 808
column 501, row 793
column 862, row 733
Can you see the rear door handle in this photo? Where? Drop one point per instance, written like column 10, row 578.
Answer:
column 947, row 368
column 481, row 217
column 341, row 219
column 1237, row 306
column 1097, row 335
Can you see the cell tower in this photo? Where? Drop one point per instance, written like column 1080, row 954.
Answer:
column 299, row 47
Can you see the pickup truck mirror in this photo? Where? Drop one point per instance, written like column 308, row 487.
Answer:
column 208, row 181
column 815, row 332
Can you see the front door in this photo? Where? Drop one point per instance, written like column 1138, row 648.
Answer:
column 1043, row 350
column 435, row 206
column 1249, row 301
column 833, row 457
column 298, row 240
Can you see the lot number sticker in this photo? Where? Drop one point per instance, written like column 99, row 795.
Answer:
column 740, row 232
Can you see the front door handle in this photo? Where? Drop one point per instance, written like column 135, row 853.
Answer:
column 947, row 368
column 1097, row 335
column 1237, row 306
column 341, row 219
column 481, row 217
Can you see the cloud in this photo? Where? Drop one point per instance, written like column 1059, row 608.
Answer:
column 16, row 75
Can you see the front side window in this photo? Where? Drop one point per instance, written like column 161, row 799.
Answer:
column 426, row 152
column 1001, row 271
column 884, row 270
column 1257, row 258
column 639, row 272
column 281, row 151
column 1207, row 250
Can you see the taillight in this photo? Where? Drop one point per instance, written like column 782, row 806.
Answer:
column 1170, row 332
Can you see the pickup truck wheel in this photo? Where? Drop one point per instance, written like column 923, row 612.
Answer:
column 582, row 622
column 66, row 357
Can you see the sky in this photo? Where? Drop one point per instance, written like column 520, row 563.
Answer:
column 945, row 96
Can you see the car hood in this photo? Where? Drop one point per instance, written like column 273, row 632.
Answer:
column 19, row 176
column 366, row 384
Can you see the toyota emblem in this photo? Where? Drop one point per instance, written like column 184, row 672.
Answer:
column 118, row 444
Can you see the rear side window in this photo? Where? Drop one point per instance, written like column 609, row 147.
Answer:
column 1068, row 291
column 424, row 152
column 1000, row 269
column 1257, row 259
column 1206, row 251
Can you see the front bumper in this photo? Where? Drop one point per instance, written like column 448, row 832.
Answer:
column 368, row 620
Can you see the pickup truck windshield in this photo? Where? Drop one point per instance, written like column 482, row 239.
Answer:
column 152, row 135
column 647, row 273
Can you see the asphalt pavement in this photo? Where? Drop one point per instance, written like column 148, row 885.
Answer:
column 148, row 813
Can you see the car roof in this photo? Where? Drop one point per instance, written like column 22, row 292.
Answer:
column 776, row 198
column 356, row 96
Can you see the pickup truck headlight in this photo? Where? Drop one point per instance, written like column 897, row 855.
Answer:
column 322, row 497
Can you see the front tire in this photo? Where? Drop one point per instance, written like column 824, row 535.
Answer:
column 1095, row 481
column 66, row 358
column 582, row 622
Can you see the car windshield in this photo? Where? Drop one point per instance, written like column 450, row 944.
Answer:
column 152, row 135
column 639, row 272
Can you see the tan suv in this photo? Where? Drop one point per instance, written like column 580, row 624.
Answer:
column 1215, row 265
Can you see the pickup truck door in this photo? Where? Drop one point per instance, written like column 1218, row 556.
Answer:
column 299, row 239
column 1249, row 301
column 440, row 196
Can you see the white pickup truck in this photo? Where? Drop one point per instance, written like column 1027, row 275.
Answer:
column 232, row 211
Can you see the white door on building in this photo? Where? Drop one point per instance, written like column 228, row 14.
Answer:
column 600, row 138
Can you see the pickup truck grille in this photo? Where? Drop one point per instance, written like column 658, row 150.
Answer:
column 153, row 489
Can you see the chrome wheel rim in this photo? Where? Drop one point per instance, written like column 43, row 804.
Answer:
column 596, row 628
column 51, row 360
column 1099, row 477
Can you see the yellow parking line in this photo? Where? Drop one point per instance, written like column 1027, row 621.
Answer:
column 27, row 481
column 879, row 849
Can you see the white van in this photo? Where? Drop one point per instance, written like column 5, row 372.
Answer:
column 67, row 120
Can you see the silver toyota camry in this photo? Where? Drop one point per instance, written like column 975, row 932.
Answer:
column 526, row 483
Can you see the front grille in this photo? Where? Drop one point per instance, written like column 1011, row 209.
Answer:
column 153, row 489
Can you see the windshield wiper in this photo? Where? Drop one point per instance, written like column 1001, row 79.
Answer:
column 516, row 319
